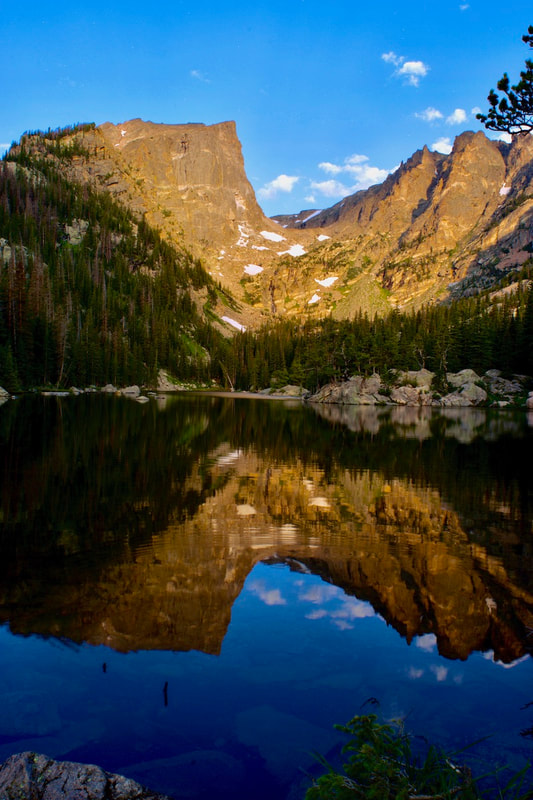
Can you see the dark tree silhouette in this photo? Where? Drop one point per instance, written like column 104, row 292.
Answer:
column 513, row 111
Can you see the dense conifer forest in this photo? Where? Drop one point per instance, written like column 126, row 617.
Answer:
column 116, row 303
column 491, row 330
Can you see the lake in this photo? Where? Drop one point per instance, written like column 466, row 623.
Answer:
column 194, row 591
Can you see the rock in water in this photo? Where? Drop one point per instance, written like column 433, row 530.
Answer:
column 31, row 776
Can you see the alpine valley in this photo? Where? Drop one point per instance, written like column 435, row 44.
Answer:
column 126, row 248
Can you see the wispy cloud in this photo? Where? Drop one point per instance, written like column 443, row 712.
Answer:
column 441, row 673
column 427, row 642
column 331, row 188
column 199, row 76
column 4, row 146
column 442, row 145
column 429, row 114
column 457, row 117
column 283, row 183
column 410, row 71
column 357, row 167
column 270, row 597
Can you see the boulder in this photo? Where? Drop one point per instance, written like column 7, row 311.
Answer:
column 164, row 383
column 405, row 395
column 131, row 391
column 292, row 391
column 529, row 401
column 3, row 393
column 421, row 377
column 31, row 775
column 457, row 379
column 371, row 385
column 109, row 389
column 470, row 394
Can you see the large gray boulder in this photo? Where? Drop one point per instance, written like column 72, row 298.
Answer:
column 470, row 394
column 412, row 395
column 31, row 776
column 131, row 391
column 458, row 379
column 421, row 377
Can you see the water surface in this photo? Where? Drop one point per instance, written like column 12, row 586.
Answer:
column 194, row 591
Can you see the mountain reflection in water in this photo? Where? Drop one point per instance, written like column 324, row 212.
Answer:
column 138, row 542
column 137, row 528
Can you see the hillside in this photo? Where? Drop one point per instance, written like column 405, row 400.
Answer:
column 90, row 293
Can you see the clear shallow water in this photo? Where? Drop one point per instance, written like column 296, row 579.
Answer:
column 274, row 569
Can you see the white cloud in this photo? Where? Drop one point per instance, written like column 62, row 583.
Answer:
column 283, row 183
column 504, row 137
column 443, row 145
column 310, row 198
column 412, row 71
column 441, row 673
column 270, row 597
column 430, row 114
column 392, row 58
column 320, row 594
column 354, row 609
column 427, row 642
column 475, row 110
column 357, row 167
column 199, row 76
column 331, row 188
column 320, row 613
column 332, row 169
column 457, row 117
column 4, row 146
column 464, row 6
column 414, row 673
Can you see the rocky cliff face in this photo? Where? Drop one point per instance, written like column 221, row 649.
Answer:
column 439, row 227
column 190, row 182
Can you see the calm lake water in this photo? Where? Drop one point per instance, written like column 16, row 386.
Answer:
column 194, row 591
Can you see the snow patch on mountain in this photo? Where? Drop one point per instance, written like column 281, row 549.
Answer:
column 272, row 237
column 234, row 323
column 295, row 250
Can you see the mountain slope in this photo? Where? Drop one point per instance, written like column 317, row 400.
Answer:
column 88, row 292
column 437, row 228
column 440, row 227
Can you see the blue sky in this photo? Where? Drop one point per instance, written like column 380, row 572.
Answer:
column 327, row 97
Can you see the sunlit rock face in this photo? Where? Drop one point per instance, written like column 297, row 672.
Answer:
column 392, row 543
column 193, row 174
column 439, row 227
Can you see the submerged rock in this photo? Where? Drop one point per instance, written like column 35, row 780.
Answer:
column 31, row 775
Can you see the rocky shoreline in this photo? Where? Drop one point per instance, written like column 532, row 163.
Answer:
column 419, row 388
column 414, row 388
